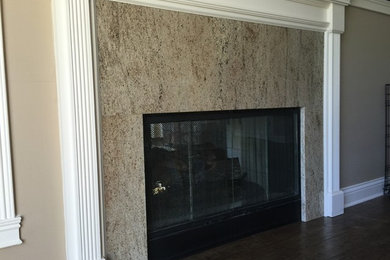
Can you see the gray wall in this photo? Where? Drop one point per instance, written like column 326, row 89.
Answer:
column 365, row 69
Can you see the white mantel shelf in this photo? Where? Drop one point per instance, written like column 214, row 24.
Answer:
column 299, row 14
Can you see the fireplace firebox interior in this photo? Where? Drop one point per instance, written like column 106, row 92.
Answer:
column 216, row 176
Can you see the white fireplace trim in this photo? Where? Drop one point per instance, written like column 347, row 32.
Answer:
column 9, row 222
column 333, row 196
column 299, row 14
column 74, row 45
column 76, row 84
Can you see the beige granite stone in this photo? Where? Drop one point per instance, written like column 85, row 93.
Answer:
column 153, row 61
column 124, row 186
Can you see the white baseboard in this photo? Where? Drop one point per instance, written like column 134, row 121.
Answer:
column 334, row 204
column 362, row 192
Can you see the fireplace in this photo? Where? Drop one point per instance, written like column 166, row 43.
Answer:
column 216, row 176
column 158, row 61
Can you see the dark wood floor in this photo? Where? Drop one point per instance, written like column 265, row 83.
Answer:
column 363, row 232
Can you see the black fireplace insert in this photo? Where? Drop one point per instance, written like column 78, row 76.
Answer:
column 212, row 177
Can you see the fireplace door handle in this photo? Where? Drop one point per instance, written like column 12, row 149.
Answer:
column 159, row 188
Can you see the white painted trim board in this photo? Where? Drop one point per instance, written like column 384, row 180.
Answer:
column 362, row 192
column 73, row 38
column 285, row 13
column 9, row 222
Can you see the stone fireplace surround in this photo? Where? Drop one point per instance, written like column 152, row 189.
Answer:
column 158, row 61
column 82, row 206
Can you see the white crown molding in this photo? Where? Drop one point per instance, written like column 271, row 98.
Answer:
column 9, row 223
column 362, row 192
column 286, row 13
column 323, row 3
column 380, row 6
column 339, row 2
column 73, row 37
column 317, row 3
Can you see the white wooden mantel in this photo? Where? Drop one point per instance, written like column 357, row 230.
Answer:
column 78, row 110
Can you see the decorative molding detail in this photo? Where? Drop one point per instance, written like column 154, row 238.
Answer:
column 323, row 3
column 9, row 232
column 336, row 18
column 340, row 2
column 316, row 15
column 76, row 95
column 380, row 6
column 318, row 3
column 9, row 223
column 286, row 13
column 333, row 197
column 362, row 192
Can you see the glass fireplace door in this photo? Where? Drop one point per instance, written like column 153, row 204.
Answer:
column 205, row 166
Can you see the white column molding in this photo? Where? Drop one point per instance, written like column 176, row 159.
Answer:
column 9, row 222
column 76, row 96
column 333, row 196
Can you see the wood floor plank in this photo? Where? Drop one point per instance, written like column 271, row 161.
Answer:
column 363, row 232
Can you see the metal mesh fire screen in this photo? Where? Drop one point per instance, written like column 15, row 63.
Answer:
column 387, row 141
column 206, row 167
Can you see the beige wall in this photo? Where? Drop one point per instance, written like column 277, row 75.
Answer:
column 34, row 130
column 365, row 69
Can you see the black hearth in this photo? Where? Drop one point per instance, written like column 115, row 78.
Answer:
column 216, row 176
